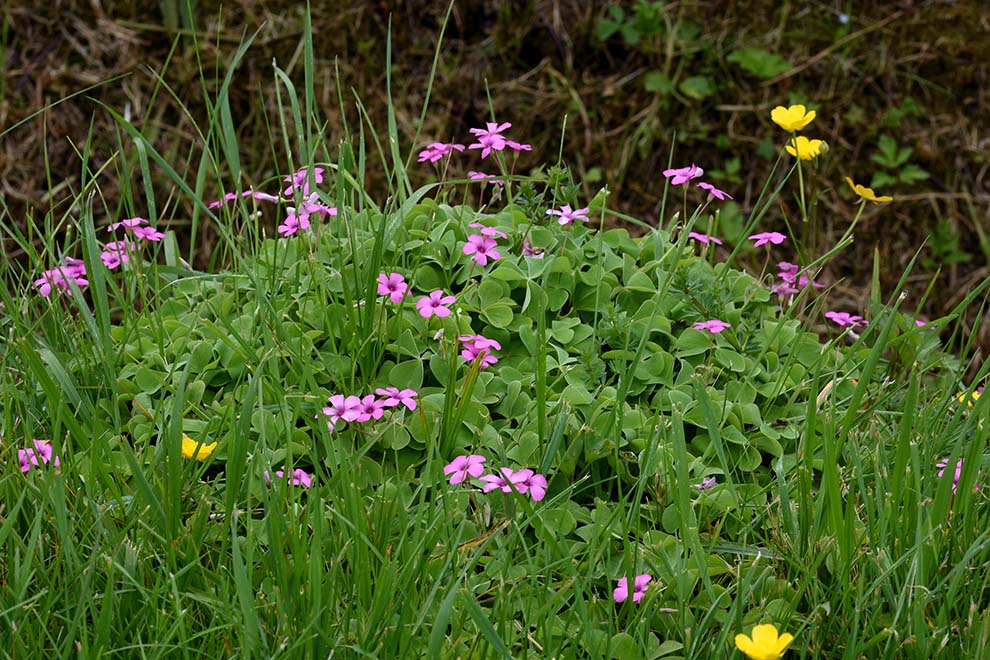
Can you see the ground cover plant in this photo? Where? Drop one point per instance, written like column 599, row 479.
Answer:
column 469, row 419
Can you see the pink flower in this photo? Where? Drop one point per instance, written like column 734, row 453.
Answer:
column 704, row 238
column 370, row 408
column 392, row 285
column 714, row 192
column 707, row 482
column 41, row 453
column 566, row 215
column 843, row 319
column 483, row 249
column 682, row 176
column 342, row 408
column 794, row 279
column 462, row 466
column 229, row 197
column 435, row 304
column 485, row 178
column 478, row 347
column 436, row 150
column 299, row 477
column 116, row 253
column 312, row 204
column 767, row 237
column 944, row 463
column 520, row 481
column 490, row 232
column 301, row 180
column 294, row 222
column 713, row 326
column 395, row 397
column 491, row 139
column 530, row 251
column 58, row 278
column 138, row 227
column 640, row 585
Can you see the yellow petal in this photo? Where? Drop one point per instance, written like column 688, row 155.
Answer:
column 193, row 449
column 783, row 642
column 765, row 636
column 745, row 644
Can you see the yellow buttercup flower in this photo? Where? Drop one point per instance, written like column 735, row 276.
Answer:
column 793, row 118
column 765, row 643
column 806, row 149
column 867, row 193
column 975, row 396
column 190, row 447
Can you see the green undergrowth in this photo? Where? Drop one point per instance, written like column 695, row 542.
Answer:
column 761, row 474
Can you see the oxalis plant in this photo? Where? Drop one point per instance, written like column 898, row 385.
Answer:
column 470, row 419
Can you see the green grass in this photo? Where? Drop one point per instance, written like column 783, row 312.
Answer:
column 828, row 519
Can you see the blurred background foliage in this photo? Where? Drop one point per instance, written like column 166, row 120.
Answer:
column 901, row 90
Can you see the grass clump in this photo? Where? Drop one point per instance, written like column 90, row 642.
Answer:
column 468, row 420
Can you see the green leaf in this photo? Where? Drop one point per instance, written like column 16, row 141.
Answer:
column 761, row 63
column 655, row 81
column 697, row 87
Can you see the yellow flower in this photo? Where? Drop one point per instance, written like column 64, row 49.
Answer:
column 791, row 119
column 975, row 396
column 867, row 193
column 765, row 644
column 806, row 149
column 190, row 446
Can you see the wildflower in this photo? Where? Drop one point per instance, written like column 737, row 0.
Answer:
column 483, row 249
column 299, row 477
column 435, row 304
column 462, row 466
column 793, row 118
column 229, row 197
column 713, row 326
column 792, row 275
column 478, row 347
column 194, row 449
column 806, row 149
column 294, row 222
column 566, row 215
column 867, row 194
column 392, row 285
column 767, row 237
column 641, row 584
column 707, row 483
column 436, row 150
column 138, row 227
column 485, row 178
column 765, row 643
column 370, row 408
column 975, row 396
column 396, row 397
column 58, row 278
column 116, row 253
column 40, row 453
column 720, row 195
column 519, row 481
column 682, row 176
column 944, row 463
column 704, row 238
column 843, row 319
column 342, row 408
column 530, row 251
column 300, row 180
column 491, row 139
column 312, row 204
column 490, row 232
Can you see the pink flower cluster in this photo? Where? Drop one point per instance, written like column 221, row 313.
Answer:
column 57, row 279
column 483, row 244
column 300, row 181
column 640, row 585
column 297, row 217
column 116, row 253
column 489, row 139
column 682, row 176
column 478, row 347
column 40, row 453
column 793, row 279
column 297, row 477
column 507, row 480
column 353, row 408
